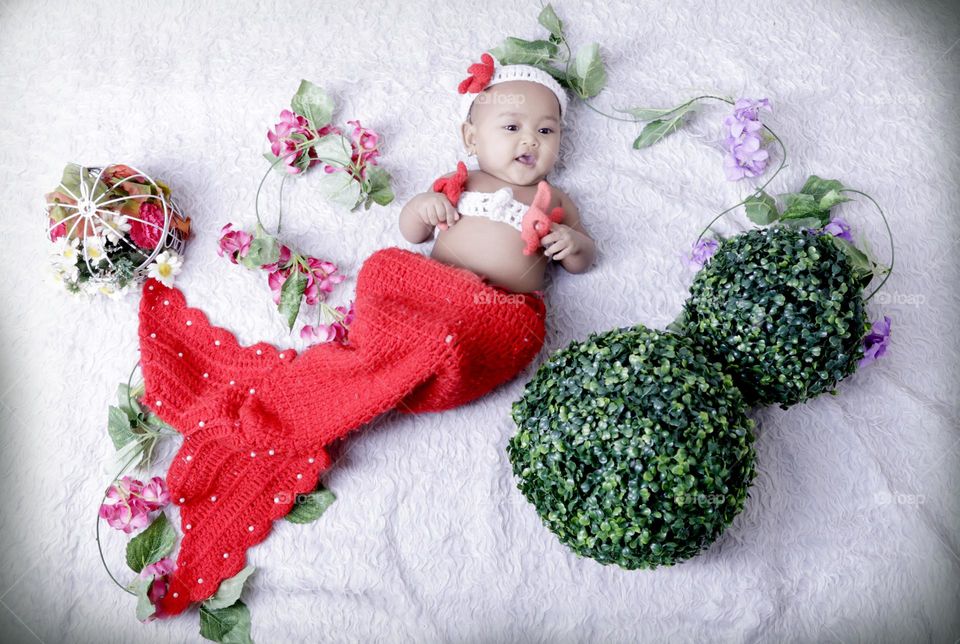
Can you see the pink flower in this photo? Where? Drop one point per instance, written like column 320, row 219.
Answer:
column 57, row 231
column 126, row 515
column 235, row 242
column 320, row 279
column 276, row 280
column 147, row 235
column 133, row 502
column 319, row 332
column 292, row 131
column 335, row 332
column 364, row 142
column 160, row 571
column 124, row 488
column 155, row 495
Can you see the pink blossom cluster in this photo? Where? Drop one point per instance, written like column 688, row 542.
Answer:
column 321, row 276
column 131, row 501
column 335, row 332
column 290, row 136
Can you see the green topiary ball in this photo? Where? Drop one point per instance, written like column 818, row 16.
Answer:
column 783, row 310
column 633, row 448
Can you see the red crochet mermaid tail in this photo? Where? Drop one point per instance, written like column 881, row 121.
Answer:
column 256, row 420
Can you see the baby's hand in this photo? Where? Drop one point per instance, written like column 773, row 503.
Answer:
column 434, row 209
column 561, row 242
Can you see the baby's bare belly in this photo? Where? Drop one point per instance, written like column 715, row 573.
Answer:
column 491, row 249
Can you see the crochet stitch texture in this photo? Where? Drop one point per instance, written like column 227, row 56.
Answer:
column 256, row 420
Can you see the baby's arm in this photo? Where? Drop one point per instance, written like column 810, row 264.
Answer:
column 421, row 214
column 572, row 246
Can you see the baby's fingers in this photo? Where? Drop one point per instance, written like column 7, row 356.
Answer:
column 452, row 215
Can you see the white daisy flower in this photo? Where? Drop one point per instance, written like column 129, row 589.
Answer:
column 165, row 267
column 65, row 253
column 93, row 249
column 111, row 291
column 116, row 227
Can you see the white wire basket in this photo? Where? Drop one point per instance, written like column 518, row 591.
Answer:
column 109, row 226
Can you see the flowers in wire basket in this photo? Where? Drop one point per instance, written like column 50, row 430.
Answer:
column 110, row 227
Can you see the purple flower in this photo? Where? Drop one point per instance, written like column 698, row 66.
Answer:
column 700, row 253
column 748, row 108
column 745, row 158
column 838, row 228
column 875, row 343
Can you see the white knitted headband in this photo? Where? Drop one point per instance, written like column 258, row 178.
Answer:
column 486, row 74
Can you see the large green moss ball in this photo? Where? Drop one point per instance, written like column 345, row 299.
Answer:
column 633, row 447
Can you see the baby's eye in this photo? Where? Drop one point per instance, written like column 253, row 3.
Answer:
column 546, row 130
column 508, row 127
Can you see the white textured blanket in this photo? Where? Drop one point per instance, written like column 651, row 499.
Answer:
column 851, row 531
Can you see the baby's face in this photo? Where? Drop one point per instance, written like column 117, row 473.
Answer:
column 515, row 131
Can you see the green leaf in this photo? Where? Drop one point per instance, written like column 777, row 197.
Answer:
column 127, row 397
column 309, row 508
column 118, row 426
column 762, row 209
column 818, row 188
column 263, row 250
column 801, row 205
column 548, row 18
column 70, row 181
column 230, row 625
column 861, row 263
column 379, row 186
column 340, row 188
column 801, row 222
column 334, row 149
column 589, row 75
column 648, row 113
column 313, row 103
column 831, row 199
column 229, row 591
column 291, row 295
column 151, row 545
column 656, row 130
column 515, row 51
column 145, row 607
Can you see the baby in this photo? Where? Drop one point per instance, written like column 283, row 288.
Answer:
column 513, row 120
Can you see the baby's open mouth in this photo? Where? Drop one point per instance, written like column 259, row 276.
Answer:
column 527, row 160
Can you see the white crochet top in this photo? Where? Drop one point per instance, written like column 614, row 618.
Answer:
column 498, row 206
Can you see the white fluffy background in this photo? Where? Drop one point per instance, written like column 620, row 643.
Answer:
column 851, row 531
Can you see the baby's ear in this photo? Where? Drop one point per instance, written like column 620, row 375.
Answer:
column 468, row 131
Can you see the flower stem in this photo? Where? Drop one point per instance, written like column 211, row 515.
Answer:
column 889, row 235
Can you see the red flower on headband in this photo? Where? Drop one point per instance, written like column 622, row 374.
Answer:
column 480, row 75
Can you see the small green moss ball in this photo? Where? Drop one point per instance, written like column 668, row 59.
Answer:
column 783, row 310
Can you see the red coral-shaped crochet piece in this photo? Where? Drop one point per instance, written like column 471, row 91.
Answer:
column 480, row 75
column 536, row 222
column 452, row 187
